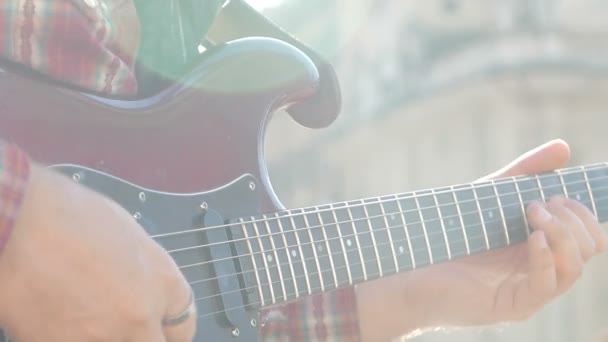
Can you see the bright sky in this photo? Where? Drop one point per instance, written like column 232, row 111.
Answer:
column 262, row 4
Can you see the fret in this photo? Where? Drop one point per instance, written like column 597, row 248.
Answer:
column 328, row 248
column 424, row 229
column 481, row 220
column 522, row 205
column 263, row 254
column 454, row 231
column 540, row 187
column 287, row 225
column 577, row 186
column 300, row 249
column 360, row 232
column 356, row 266
column 529, row 192
column 254, row 262
column 406, row 232
column 501, row 210
column 319, row 248
column 464, row 231
column 418, row 242
column 389, row 228
column 445, row 234
column 591, row 196
column 336, row 252
column 372, row 236
column 384, row 247
column 286, row 249
column 562, row 182
column 471, row 219
column 282, row 259
column 551, row 185
column 512, row 209
column 343, row 248
column 491, row 212
column 314, row 247
column 274, row 261
column 597, row 175
column 432, row 225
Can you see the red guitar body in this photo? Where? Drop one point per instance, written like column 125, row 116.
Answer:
column 202, row 132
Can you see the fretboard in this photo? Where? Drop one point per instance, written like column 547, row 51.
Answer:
column 301, row 252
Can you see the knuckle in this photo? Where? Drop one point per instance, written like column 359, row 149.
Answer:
column 546, row 264
column 573, row 270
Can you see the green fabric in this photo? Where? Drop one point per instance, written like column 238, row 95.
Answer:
column 162, row 44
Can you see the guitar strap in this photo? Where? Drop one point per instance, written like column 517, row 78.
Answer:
column 237, row 19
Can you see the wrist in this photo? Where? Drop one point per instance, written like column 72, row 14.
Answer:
column 392, row 307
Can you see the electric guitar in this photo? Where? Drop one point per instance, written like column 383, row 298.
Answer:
column 188, row 163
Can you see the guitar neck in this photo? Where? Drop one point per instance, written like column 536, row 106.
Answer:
column 300, row 252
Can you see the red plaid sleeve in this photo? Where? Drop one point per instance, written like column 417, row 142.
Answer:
column 330, row 316
column 14, row 175
column 88, row 43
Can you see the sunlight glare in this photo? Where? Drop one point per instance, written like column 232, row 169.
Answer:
column 264, row 4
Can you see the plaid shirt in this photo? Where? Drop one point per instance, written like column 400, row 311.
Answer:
column 92, row 44
column 14, row 174
column 88, row 43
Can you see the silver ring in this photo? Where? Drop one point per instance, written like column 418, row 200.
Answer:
column 182, row 316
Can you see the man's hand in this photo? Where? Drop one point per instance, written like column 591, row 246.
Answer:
column 498, row 286
column 79, row 268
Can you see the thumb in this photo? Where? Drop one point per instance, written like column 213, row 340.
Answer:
column 552, row 155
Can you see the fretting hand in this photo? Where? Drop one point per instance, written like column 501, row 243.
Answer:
column 509, row 284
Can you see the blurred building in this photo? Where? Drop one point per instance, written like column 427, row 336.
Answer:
column 443, row 91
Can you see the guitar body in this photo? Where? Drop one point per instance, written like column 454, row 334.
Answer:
column 202, row 132
column 189, row 156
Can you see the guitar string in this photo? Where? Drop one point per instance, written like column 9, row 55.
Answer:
column 413, row 195
column 318, row 287
column 356, row 233
column 331, row 255
column 282, row 281
column 436, row 208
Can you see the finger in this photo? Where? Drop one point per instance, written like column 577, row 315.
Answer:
column 181, row 303
column 541, row 283
column 575, row 225
column 547, row 157
column 183, row 331
column 566, row 254
column 598, row 234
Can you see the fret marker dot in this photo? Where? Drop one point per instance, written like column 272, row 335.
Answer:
column 294, row 253
column 401, row 249
column 451, row 222
column 490, row 214
column 349, row 243
column 269, row 258
column 320, row 248
column 578, row 197
column 393, row 217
